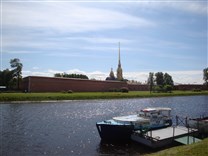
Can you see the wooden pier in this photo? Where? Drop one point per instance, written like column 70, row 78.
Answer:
column 162, row 137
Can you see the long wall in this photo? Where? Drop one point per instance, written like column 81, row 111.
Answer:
column 185, row 87
column 52, row 84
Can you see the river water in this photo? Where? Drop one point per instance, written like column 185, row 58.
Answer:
column 69, row 128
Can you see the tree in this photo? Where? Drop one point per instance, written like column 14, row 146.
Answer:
column 205, row 75
column 58, row 75
column 6, row 77
column 159, row 78
column 150, row 81
column 168, row 79
column 65, row 75
column 164, row 82
column 17, row 71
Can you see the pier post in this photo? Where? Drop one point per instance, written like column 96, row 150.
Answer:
column 188, row 137
column 186, row 120
column 176, row 120
column 173, row 131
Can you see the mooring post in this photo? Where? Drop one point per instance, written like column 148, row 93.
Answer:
column 173, row 131
column 151, row 133
column 186, row 120
column 188, row 137
column 176, row 120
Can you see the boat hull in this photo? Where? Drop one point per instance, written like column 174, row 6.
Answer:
column 121, row 127
column 111, row 130
column 115, row 132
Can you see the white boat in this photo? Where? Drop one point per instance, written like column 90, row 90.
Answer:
column 121, row 128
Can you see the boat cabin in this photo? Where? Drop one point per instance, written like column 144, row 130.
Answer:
column 155, row 112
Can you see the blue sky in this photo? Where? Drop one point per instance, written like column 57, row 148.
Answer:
column 82, row 37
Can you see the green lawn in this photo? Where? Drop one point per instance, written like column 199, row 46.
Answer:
column 196, row 149
column 90, row 95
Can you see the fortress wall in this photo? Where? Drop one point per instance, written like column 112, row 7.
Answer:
column 138, row 87
column 190, row 87
column 52, row 84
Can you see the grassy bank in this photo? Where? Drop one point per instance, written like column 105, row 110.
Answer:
column 196, row 149
column 90, row 95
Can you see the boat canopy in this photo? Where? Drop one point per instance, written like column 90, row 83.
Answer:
column 156, row 109
column 131, row 118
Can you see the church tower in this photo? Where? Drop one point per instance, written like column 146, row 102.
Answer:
column 119, row 69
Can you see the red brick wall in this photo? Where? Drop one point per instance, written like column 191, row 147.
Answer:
column 137, row 87
column 51, row 84
column 190, row 87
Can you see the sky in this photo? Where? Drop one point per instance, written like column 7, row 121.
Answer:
column 82, row 37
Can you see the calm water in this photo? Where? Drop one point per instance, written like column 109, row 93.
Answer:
column 68, row 128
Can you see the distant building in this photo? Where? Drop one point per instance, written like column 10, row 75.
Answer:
column 111, row 75
column 119, row 70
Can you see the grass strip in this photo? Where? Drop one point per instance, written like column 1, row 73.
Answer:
column 6, row 97
column 196, row 149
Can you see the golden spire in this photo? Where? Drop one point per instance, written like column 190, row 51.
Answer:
column 119, row 69
column 119, row 57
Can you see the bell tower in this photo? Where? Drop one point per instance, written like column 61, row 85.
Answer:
column 119, row 69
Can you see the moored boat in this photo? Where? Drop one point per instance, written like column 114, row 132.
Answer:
column 121, row 128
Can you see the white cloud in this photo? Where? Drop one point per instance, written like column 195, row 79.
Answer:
column 35, row 68
column 192, row 7
column 187, row 77
column 67, row 17
column 21, row 52
column 97, row 39
column 181, row 77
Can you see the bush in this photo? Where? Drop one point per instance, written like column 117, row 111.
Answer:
column 124, row 90
column 196, row 90
column 114, row 90
column 168, row 88
column 164, row 89
column 69, row 91
column 158, row 89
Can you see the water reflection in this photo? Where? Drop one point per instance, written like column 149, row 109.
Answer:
column 69, row 128
column 122, row 148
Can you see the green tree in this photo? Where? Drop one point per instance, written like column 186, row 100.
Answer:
column 150, row 81
column 6, row 78
column 58, row 75
column 205, row 75
column 159, row 78
column 17, row 71
column 65, row 75
column 168, row 79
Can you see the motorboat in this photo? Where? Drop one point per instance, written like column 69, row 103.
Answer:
column 121, row 127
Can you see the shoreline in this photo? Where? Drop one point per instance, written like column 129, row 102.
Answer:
column 18, row 98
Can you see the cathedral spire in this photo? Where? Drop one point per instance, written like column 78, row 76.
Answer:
column 119, row 69
column 119, row 57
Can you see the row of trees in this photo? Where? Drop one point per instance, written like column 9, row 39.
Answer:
column 160, row 82
column 11, row 78
column 79, row 76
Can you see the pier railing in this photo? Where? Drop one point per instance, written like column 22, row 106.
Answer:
column 180, row 122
